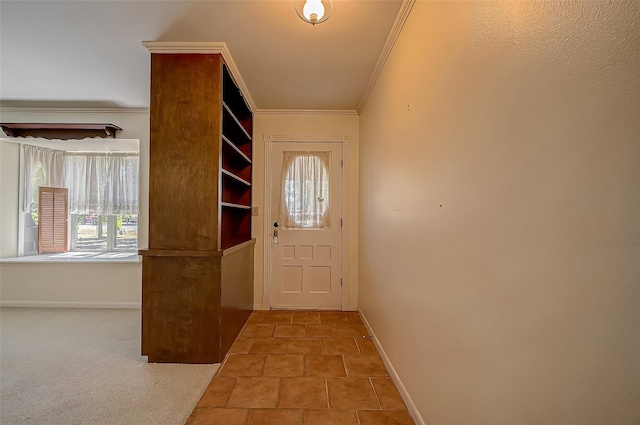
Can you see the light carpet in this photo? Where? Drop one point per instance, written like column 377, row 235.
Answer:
column 83, row 366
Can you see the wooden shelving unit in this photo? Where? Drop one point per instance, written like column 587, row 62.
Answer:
column 197, row 283
column 237, row 123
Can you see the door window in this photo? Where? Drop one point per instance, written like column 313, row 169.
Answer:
column 305, row 190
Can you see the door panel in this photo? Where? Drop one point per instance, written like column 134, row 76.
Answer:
column 306, row 262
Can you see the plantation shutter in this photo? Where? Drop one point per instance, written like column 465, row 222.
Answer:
column 52, row 219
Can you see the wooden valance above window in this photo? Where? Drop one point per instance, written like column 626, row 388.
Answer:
column 59, row 130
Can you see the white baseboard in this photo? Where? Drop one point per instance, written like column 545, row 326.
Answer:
column 261, row 307
column 70, row 304
column 394, row 375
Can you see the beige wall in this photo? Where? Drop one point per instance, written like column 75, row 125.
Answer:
column 109, row 285
column 9, row 174
column 500, row 200
column 71, row 285
column 294, row 123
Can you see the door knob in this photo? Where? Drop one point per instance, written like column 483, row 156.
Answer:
column 275, row 233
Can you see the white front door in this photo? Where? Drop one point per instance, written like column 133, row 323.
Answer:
column 306, row 209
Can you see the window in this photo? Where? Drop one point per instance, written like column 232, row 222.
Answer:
column 91, row 232
column 101, row 198
column 103, row 201
column 305, row 190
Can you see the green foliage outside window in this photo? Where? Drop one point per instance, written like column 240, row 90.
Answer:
column 38, row 179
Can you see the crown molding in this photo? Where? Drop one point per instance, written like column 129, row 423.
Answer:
column 126, row 111
column 307, row 112
column 401, row 18
column 203, row 47
column 306, row 138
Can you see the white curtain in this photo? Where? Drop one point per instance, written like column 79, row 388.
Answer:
column 52, row 162
column 304, row 199
column 102, row 183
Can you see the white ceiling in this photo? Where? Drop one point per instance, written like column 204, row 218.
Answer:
column 89, row 53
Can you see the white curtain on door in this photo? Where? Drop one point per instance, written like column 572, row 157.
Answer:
column 102, row 183
column 52, row 162
column 304, row 198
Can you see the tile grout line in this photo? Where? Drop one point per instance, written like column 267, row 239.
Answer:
column 346, row 374
column 304, row 365
column 280, row 384
column 375, row 392
column 226, row 400
column 251, row 345
column 264, row 363
column 326, row 387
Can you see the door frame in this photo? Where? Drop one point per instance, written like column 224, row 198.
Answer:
column 345, row 141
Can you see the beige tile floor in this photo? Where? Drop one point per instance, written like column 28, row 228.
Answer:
column 302, row 368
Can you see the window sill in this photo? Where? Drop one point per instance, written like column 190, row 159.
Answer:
column 77, row 257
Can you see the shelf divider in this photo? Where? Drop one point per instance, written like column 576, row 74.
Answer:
column 233, row 176
column 230, row 143
column 238, row 206
column 236, row 120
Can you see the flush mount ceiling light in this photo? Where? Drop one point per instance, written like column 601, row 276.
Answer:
column 314, row 11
